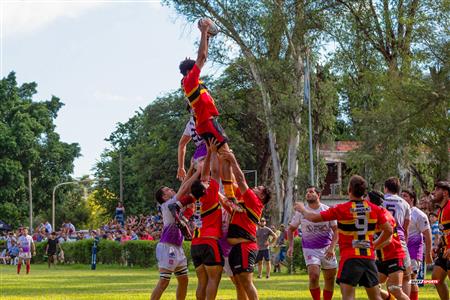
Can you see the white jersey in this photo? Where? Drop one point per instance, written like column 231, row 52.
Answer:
column 400, row 210
column 171, row 233
column 190, row 131
column 314, row 235
column 419, row 223
column 25, row 243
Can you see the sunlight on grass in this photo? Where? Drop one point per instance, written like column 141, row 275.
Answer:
column 117, row 283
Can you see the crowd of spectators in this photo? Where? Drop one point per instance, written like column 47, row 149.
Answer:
column 119, row 229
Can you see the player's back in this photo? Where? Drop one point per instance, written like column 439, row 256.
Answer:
column 400, row 210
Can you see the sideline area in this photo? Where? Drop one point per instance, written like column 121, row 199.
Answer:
column 115, row 282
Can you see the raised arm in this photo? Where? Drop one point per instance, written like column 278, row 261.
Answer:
column 310, row 216
column 240, row 178
column 203, row 48
column 184, row 140
column 214, row 160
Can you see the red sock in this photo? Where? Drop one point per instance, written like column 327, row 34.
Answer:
column 28, row 268
column 315, row 293
column 414, row 295
column 327, row 295
column 19, row 265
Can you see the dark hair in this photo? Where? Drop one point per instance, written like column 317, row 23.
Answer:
column 392, row 184
column 357, row 186
column 267, row 196
column 316, row 189
column 186, row 65
column 197, row 189
column 432, row 214
column 412, row 194
column 53, row 233
column 443, row 185
column 376, row 197
column 159, row 195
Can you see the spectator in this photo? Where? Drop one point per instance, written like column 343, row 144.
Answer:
column 48, row 227
column 120, row 213
column 435, row 232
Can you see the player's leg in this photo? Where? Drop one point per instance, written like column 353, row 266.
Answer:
column 406, row 287
column 259, row 259
column 373, row 293
column 347, row 291
column 246, row 280
column 394, row 285
column 439, row 274
column 214, row 275
column 314, row 277
column 267, row 260
column 182, row 277
column 202, row 278
column 415, row 267
column 28, row 262
column 329, row 276
column 329, row 270
column 49, row 260
column 240, row 293
column 19, row 264
column 382, row 278
column 163, row 283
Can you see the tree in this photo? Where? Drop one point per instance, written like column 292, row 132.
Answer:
column 28, row 141
column 392, row 72
column 273, row 38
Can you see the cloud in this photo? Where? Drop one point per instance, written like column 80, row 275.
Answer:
column 20, row 17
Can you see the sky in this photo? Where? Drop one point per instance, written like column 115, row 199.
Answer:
column 103, row 59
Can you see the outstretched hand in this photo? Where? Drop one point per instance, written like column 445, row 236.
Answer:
column 213, row 145
column 204, row 25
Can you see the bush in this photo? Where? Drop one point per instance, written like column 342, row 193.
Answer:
column 133, row 253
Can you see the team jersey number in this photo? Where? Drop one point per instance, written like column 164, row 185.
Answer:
column 391, row 209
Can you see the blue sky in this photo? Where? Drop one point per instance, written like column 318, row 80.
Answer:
column 103, row 59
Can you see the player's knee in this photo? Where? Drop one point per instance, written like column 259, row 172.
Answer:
column 395, row 290
column 164, row 277
column 314, row 277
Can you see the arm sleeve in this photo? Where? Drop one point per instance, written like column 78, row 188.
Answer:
column 329, row 214
column 192, row 78
column 296, row 219
column 424, row 224
column 381, row 216
column 188, row 129
column 407, row 212
column 186, row 200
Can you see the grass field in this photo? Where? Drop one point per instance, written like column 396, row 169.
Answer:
column 114, row 282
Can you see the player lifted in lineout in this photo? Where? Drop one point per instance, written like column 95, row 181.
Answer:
column 202, row 104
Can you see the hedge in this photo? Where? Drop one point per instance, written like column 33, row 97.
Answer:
column 132, row 253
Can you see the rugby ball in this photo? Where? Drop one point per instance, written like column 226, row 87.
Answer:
column 213, row 30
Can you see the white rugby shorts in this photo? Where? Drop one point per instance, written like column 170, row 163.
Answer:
column 170, row 257
column 317, row 257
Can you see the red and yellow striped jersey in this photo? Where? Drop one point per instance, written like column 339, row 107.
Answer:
column 444, row 225
column 200, row 100
column 394, row 249
column 357, row 221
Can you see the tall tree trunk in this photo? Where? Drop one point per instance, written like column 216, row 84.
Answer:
column 292, row 171
column 275, row 157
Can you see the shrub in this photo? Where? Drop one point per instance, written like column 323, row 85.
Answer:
column 133, row 253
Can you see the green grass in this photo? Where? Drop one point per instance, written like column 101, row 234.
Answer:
column 114, row 282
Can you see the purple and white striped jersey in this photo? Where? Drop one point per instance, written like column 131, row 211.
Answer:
column 314, row 235
column 190, row 131
column 400, row 210
column 419, row 223
column 171, row 234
